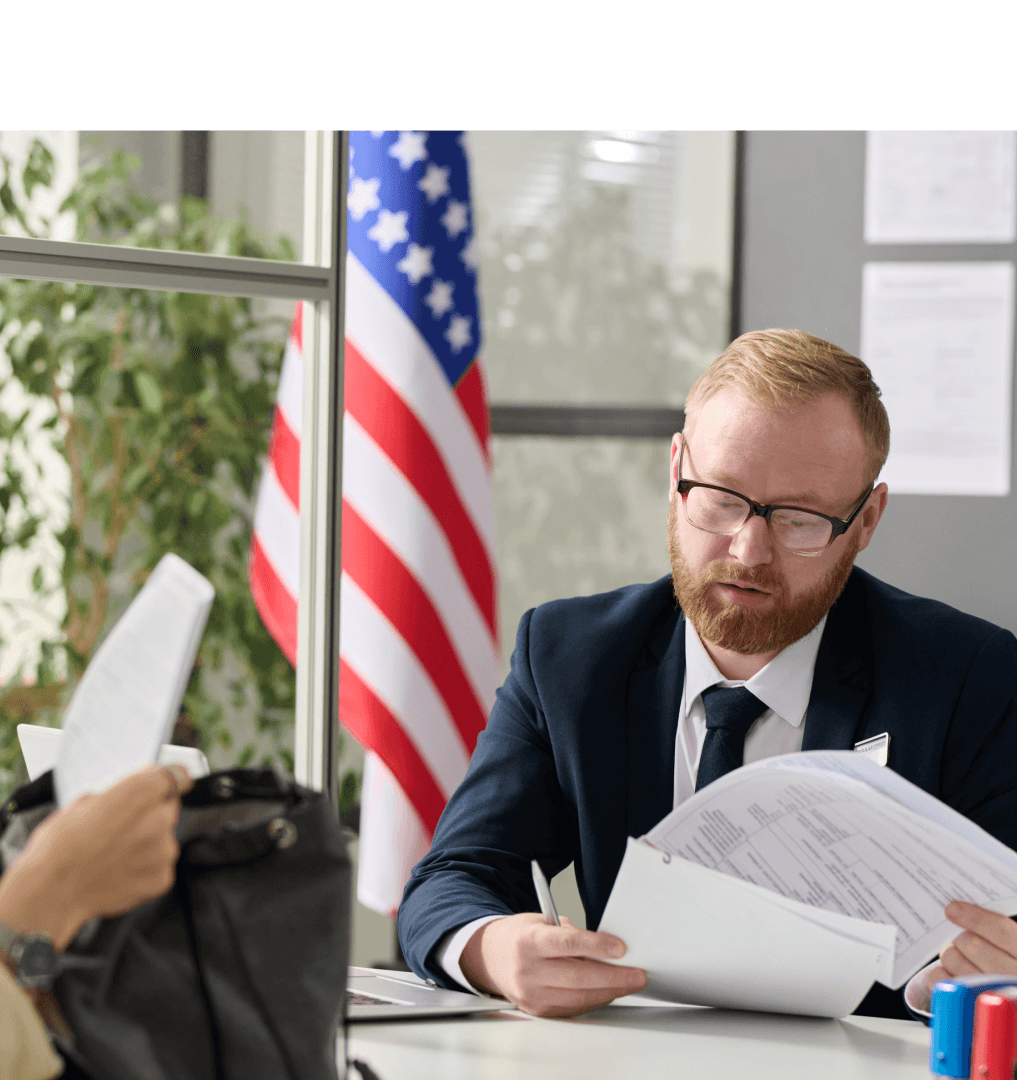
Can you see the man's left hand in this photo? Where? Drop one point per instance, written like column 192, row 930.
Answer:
column 987, row 946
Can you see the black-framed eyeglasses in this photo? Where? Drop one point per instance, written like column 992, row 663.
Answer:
column 724, row 512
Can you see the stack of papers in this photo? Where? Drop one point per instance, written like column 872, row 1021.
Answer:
column 792, row 884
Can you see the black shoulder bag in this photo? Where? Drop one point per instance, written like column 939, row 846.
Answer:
column 239, row 972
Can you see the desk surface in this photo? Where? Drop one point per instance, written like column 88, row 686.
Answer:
column 621, row 1042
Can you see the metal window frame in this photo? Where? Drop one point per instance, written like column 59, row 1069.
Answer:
column 587, row 421
column 173, row 271
column 316, row 759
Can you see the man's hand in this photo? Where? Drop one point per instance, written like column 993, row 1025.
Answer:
column 100, row 856
column 548, row 970
column 988, row 945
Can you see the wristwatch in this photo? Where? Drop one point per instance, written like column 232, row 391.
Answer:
column 32, row 956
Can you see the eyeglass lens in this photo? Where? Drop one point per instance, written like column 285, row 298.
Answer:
column 723, row 513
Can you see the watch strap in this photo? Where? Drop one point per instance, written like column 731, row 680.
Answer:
column 18, row 946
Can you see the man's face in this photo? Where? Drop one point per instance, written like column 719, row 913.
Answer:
column 743, row 593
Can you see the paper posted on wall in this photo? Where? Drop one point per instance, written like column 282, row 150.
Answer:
column 792, row 884
column 124, row 707
column 938, row 338
column 934, row 187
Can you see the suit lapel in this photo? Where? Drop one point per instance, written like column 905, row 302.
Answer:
column 843, row 676
column 651, row 726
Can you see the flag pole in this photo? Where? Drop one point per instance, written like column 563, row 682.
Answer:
column 315, row 742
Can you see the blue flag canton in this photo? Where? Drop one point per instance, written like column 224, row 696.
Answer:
column 410, row 225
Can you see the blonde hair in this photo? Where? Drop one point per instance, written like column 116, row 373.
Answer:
column 788, row 368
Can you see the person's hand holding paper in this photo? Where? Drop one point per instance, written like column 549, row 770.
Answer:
column 987, row 946
column 548, row 970
column 97, row 857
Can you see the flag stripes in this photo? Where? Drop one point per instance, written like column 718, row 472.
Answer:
column 284, row 453
column 394, row 509
column 472, row 394
column 383, row 659
column 277, row 528
column 390, row 423
column 374, row 726
column 377, row 570
column 377, row 328
column 419, row 654
column 276, row 605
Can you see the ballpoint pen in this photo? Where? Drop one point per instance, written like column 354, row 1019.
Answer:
column 547, row 907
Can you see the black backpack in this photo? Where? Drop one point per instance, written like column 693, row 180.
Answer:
column 239, row 972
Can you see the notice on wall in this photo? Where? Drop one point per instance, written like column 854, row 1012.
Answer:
column 939, row 340
column 927, row 187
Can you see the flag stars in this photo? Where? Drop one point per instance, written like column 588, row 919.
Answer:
column 416, row 263
column 363, row 197
column 458, row 333
column 409, row 148
column 455, row 219
column 389, row 229
column 439, row 299
column 469, row 255
column 434, row 183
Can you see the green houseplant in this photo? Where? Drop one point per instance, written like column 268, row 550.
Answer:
column 161, row 405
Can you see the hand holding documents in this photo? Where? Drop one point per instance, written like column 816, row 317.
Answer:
column 791, row 884
column 130, row 694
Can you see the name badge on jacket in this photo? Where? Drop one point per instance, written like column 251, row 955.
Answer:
column 877, row 748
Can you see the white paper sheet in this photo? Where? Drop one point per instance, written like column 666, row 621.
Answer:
column 940, row 187
column 939, row 340
column 707, row 939
column 130, row 694
column 830, row 840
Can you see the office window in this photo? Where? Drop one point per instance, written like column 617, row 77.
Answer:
column 605, row 262
column 162, row 399
column 253, row 177
column 576, row 516
column 605, row 275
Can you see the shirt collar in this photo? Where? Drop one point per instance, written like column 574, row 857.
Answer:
column 784, row 685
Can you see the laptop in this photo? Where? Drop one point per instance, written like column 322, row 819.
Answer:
column 380, row 994
column 39, row 747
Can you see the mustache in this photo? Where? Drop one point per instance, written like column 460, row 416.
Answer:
column 754, row 577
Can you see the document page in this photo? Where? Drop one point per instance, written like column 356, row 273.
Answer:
column 833, row 842
column 930, row 187
column 939, row 340
column 776, row 955
column 130, row 694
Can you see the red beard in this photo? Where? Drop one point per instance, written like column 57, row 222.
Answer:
column 744, row 630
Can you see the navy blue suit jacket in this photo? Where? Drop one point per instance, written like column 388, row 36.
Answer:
column 578, row 753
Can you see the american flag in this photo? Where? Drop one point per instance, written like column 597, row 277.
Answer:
column 418, row 631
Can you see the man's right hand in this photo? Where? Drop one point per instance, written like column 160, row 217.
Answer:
column 548, row 970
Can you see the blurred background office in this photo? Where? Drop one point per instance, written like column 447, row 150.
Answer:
column 613, row 266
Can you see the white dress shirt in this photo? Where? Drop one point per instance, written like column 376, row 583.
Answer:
column 784, row 686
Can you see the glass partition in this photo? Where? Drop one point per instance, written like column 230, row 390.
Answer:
column 139, row 188
column 134, row 423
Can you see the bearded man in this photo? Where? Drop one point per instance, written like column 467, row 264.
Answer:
column 619, row 706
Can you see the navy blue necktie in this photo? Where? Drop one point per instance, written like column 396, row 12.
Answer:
column 730, row 712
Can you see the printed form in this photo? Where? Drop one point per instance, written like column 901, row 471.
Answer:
column 817, row 829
